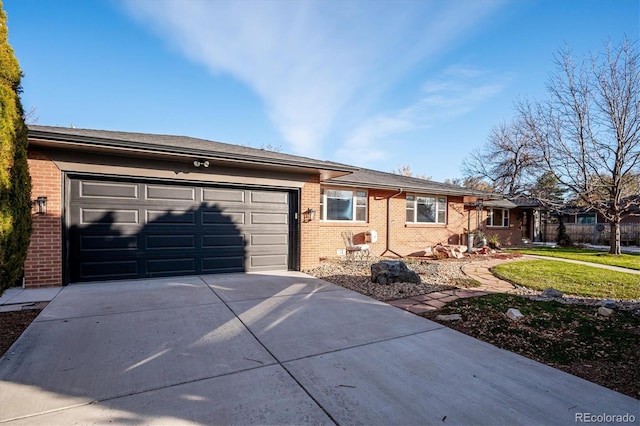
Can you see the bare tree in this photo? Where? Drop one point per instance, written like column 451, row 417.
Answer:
column 588, row 132
column 30, row 116
column 471, row 182
column 405, row 170
column 506, row 162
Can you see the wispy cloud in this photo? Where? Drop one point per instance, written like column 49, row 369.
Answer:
column 311, row 61
column 453, row 93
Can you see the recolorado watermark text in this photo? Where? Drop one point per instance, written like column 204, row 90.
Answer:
column 604, row 418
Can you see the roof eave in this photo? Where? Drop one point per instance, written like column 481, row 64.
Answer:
column 410, row 188
column 54, row 139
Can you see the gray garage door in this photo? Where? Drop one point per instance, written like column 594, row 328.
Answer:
column 119, row 229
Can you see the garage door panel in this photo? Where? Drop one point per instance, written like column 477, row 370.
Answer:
column 222, row 217
column 120, row 229
column 219, row 264
column 170, row 193
column 114, row 269
column 269, row 239
column 230, row 240
column 160, row 217
column 267, row 250
column 92, row 243
column 170, row 242
column 172, row 266
column 223, row 195
column 109, row 190
column 108, row 216
column 268, row 261
column 269, row 197
column 269, row 218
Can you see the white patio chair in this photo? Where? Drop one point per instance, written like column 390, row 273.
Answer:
column 354, row 251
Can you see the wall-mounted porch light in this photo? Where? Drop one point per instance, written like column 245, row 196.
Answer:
column 309, row 215
column 40, row 205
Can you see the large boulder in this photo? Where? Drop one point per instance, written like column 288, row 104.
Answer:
column 393, row 271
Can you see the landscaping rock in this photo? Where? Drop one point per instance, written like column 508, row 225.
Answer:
column 551, row 293
column 452, row 317
column 608, row 303
column 454, row 252
column 514, row 314
column 605, row 312
column 393, row 271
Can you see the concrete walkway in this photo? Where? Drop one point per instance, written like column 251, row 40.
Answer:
column 280, row 348
column 480, row 271
column 580, row 262
column 17, row 298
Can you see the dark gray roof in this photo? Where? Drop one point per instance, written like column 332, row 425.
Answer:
column 211, row 150
column 526, row 202
column 178, row 145
column 500, row 204
column 367, row 178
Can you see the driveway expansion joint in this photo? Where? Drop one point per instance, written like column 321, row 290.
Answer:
column 360, row 345
column 273, row 356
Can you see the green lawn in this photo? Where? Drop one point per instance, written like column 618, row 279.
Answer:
column 571, row 278
column 631, row 261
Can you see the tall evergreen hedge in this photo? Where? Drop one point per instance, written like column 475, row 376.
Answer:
column 15, row 182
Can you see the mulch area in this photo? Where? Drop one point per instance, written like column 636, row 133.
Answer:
column 13, row 324
column 572, row 338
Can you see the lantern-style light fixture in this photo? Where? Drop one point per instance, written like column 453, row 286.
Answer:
column 309, row 215
column 40, row 205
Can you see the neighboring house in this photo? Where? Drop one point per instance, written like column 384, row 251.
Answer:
column 130, row 205
column 530, row 216
column 539, row 223
column 502, row 218
column 585, row 225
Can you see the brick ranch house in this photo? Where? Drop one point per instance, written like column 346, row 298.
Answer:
column 130, row 205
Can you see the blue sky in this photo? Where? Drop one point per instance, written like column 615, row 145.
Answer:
column 376, row 84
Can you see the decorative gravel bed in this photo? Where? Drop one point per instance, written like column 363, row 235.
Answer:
column 436, row 275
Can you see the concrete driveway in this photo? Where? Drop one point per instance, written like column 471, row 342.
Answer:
column 276, row 348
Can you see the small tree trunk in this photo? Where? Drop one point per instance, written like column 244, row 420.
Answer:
column 614, row 240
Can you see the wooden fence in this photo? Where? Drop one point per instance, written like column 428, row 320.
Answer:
column 595, row 233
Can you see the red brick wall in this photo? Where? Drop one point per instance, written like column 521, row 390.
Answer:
column 309, row 241
column 405, row 238
column 508, row 236
column 413, row 238
column 43, row 267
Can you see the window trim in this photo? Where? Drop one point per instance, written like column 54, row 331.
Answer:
column 439, row 207
column 505, row 217
column 588, row 215
column 355, row 206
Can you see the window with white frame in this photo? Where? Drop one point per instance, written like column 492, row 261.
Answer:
column 426, row 209
column 498, row 217
column 343, row 204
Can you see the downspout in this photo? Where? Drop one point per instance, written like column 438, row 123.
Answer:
column 388, row 248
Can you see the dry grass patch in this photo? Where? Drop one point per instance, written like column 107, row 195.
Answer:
column 572, row 338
